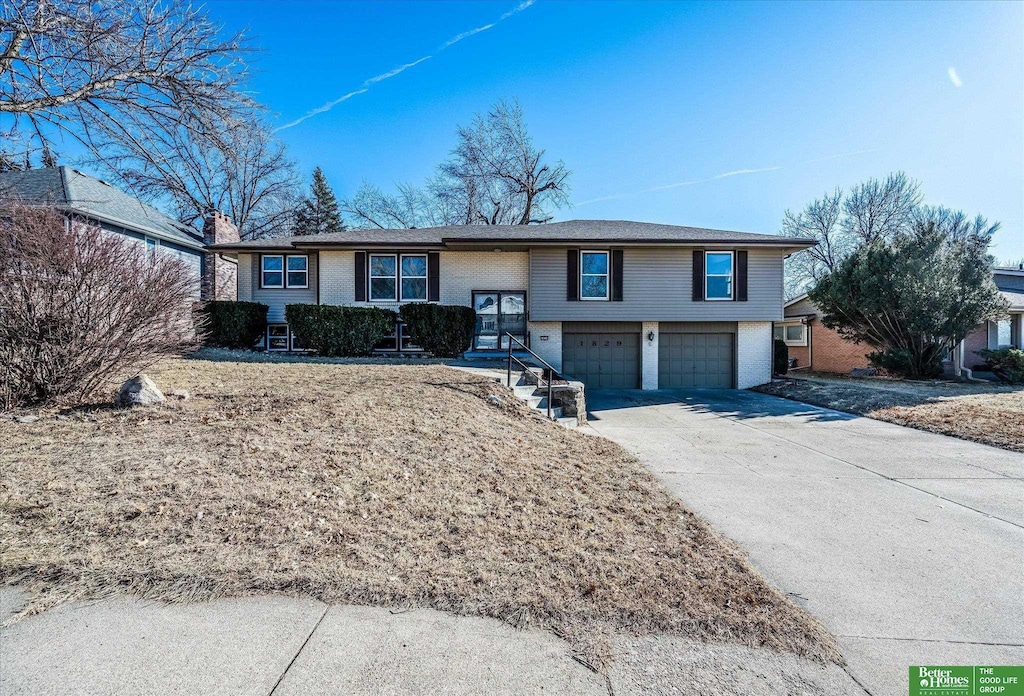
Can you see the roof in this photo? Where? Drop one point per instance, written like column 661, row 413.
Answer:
column 1015, row 298
column 80, row 193
column 802, row 296
column 571, row 232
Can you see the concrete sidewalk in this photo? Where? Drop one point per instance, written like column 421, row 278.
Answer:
column 285, row 646
column 909, row 546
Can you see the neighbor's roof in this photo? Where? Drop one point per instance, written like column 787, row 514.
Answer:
column 570, row 232
column 74, row 191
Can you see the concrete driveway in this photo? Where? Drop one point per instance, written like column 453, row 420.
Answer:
column 908, row 546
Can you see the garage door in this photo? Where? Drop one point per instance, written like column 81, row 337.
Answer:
column 695, row 360
column 602, row 359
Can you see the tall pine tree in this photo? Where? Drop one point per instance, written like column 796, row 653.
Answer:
column 318, row 213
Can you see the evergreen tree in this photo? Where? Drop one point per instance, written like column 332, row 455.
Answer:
column 318, row 213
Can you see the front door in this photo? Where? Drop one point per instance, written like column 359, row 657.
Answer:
column 498, row 313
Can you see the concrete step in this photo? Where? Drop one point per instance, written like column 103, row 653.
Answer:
column 524, row 391
column 534, row 401
column 568, row 422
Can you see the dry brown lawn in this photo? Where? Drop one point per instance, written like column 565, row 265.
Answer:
column 988, row 413
column 394, row 485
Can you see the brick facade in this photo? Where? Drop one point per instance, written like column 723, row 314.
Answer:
column 220, row 274
column 833, row 353
column 549, row 349
column 975, row 341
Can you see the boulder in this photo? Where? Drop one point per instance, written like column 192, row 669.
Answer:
column 139, row 391
column 179, row 394
column 26, row 419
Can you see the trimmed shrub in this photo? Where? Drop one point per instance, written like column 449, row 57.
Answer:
column 230, row 324
column 444, row 331
column 781, row 365
column 923, row 364
column 1006, row 363
column 339, row 331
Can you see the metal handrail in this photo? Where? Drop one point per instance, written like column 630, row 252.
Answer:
column 550, row 371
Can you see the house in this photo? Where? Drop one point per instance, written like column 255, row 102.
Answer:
column 84, row 197
column 821, row 349
column 614, row 304
column 814, row 346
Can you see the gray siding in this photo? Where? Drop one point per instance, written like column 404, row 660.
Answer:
column 277, row 298
column 657, row 286
column 801, row 308
column 697, row 327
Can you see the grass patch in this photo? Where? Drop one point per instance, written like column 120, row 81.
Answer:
column 395, row 485
column 987, row 413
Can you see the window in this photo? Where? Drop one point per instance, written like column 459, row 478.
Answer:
column 779, row 333
column 1004, row 335
column 275, row 276
column 718, row 275
column 273, row 272
column 277, row 336
column 414, row 278
column 383, row 278
column 593, row 275
column 298, row 271
column 796, row 334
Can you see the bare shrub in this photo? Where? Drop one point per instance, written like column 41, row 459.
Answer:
column 81, row 307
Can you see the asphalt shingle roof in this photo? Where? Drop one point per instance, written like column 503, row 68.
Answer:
column 74, row 191
column 572, row 231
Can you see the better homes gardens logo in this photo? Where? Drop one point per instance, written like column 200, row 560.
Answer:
column 966, row 681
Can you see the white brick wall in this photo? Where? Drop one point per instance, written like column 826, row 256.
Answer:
column 549, row 350
column 753, row 353
column 245, row 278
column 337, row 277
column 462, row 272
column 649, row 356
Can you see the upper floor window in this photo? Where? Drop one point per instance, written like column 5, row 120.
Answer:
column 718, row 275
column 298, row 271
column 273, row 272
column 383, row 277
column 593, row 275
column 414, row 277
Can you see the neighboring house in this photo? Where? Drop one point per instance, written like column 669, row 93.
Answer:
column 821, row 349
column 813, row 345
column 83, row 196
column 614, row 304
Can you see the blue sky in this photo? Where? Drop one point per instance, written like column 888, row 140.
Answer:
column 787, row 100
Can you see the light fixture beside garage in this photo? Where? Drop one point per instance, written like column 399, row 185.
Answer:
column 650, row 336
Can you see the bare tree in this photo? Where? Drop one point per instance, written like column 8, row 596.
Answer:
column 86, row 69
column 243, row 172
column 494, row 176
column 841, row 222
column 81, row 308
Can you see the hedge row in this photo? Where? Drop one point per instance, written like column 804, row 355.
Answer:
column 444, row 331
column 229, row 324
column 339, row 331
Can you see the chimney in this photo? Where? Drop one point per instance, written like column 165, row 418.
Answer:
column 220, row 273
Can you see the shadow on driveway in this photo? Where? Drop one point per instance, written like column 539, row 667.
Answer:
column 731, row 403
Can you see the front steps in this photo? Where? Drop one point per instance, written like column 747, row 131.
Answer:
column 537, row 398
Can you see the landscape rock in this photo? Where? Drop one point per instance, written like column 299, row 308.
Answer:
column 139, row 391
column 180, row 394
column 496, row 400
column 26, row 419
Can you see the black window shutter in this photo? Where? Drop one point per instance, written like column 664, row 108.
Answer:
column 572, row 276
column 360, row 276
column 698, row 275
column 616, row 275
column 433, row 276
column 741, row 276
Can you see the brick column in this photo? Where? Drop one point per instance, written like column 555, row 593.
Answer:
column 649, row 356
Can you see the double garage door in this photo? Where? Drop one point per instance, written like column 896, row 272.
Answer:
column 608, row 355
